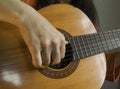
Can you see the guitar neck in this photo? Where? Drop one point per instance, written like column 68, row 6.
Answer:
column 95, row 43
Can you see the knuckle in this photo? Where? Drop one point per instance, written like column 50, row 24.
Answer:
column 45, row 43
column 55, row 42
column 63, row 38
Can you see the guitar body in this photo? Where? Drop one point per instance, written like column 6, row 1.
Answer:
column 17, row 72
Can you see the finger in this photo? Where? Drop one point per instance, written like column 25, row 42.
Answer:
column 45, row 54
column 36, row 58
column 55, row 56
column 66, row 42
column 62, row 50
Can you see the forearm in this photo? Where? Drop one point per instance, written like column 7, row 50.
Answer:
column 10, row 11
column 15, row 6
column 23, row 11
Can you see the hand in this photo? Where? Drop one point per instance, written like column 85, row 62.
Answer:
column 46, row 44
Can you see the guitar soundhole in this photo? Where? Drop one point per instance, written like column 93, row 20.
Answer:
column 64, row 62
column 66, row 67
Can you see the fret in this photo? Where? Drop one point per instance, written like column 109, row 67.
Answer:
column 92, row 44
column 80, row 50
column 92, row 38
column 74, row 48
column 118, row 42
column 96, row 42
column 107, row 39
column 99, row 44
column 110, row 37
column 105, row 42
column 84, row 45
column 110, row 40
column 76, row 43
column 118, row 34
column 113, row 40
column 88, row 47
column 114, row 43
column 116, row 39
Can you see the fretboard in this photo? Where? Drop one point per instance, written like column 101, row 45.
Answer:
column 95, row 43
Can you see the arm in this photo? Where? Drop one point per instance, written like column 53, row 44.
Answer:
column 45, row 43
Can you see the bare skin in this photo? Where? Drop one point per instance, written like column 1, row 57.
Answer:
column 45, row 43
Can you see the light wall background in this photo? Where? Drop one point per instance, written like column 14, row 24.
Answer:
column 108, row 13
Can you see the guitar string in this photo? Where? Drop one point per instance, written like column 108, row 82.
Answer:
column 67, row 51
column 105, row 49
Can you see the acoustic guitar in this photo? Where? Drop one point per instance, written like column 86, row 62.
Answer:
column 84, row 66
